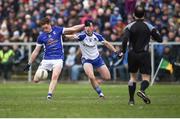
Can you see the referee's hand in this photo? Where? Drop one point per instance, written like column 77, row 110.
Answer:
column 27, row 67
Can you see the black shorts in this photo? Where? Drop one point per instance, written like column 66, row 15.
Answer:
column 139, row 61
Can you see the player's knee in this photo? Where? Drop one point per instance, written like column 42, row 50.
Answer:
column 107, row 78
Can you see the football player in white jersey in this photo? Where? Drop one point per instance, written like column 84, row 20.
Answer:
column 91, row 58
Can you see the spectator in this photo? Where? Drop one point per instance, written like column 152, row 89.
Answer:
column 77, row 67
column 16, row 36
column 24, row 16
column 115, row 17
column 6, row 57
column 17, row 55
column 130, row 6
column 70, row 60
column 165, row 75
column 4, row 32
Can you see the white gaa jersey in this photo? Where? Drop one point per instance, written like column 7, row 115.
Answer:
column 88, row 44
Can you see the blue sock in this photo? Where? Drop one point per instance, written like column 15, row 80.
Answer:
column 98, row 90
column 50, row 94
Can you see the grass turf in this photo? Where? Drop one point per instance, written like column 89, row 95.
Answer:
column 79, row 100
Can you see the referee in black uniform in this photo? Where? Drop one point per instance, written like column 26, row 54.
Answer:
column 138, row 35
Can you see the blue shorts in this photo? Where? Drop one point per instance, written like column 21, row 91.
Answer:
column 98, row 62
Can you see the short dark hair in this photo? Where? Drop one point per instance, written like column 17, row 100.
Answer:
column 44, row 21
column 139, row 11
column 88, row 23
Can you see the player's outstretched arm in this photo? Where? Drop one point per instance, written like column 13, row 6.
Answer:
column 71, row 37
column 33, row 57
column 73, row 29
column 109, row 46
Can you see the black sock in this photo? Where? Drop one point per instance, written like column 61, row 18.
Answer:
column 144, row 85
column 132, row 89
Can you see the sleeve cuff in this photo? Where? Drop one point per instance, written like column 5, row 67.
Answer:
column 38, row 44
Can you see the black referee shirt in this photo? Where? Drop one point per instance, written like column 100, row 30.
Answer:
column 138, row 34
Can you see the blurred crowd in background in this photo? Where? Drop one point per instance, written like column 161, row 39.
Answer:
column 19, row 22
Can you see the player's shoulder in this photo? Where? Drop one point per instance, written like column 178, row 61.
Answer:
column 57, row 27
column 82, row 35
column 98, row 36
column 41, row 34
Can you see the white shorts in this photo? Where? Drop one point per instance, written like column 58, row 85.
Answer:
column 50, row 64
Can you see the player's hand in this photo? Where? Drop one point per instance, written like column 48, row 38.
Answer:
column 118, row 54
column 117, row 58
column 27, row 67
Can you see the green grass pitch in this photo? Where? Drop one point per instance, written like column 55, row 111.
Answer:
column 28, row 100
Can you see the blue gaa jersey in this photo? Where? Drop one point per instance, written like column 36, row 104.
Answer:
column 52, row 42
column 88, row 44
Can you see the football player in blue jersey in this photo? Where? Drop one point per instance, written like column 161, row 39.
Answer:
column 51, row 39
column 91, row 58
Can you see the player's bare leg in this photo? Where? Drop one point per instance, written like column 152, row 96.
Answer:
column 36, row 79
column 144, row 86
column 104, row 72
column 88, row 68
column 132, row 88
column 54, row 79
